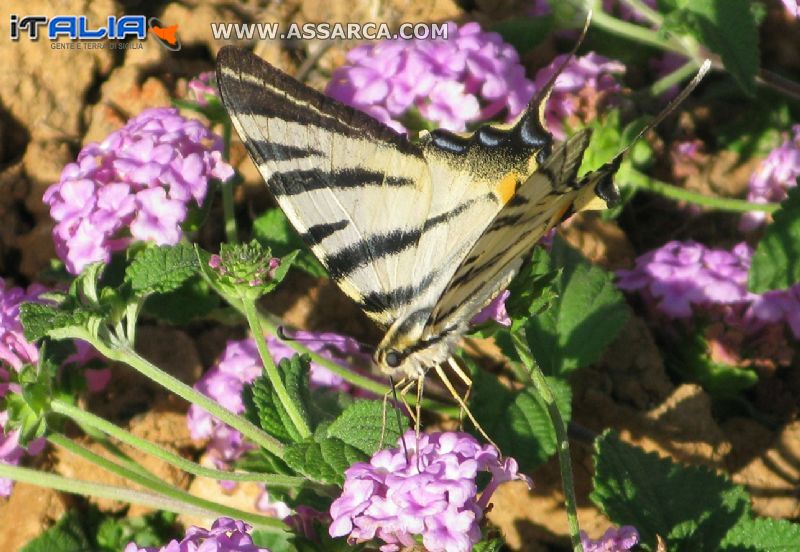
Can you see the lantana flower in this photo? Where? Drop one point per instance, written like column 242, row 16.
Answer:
column 613, row 540
column 136, row 185
column 496, row 310
column 225, row 535
column 686, row 280
column 586, row 83
column 15, row 353
column 773, row 177
column 204, row 88
column 468, row 77
column 432, row 493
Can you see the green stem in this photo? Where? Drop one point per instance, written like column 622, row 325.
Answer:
column 123, row 353
column 273, row 375
column 229, row 215
column 83, row 418
column 562, row 441
column 651, row 15
column 634, row 32
column 674, row 78
column 99, row 490
column 362, row 382
column 641, row 181
column 164, row 489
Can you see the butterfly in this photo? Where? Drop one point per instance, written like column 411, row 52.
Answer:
column 421, row 235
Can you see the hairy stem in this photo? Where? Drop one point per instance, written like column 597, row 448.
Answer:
column 674, row 78
column 87, row 419
column 641, row 181
column 123, row 353
column 273, row 375
column 562, row 440
column 231, row 234
column 100, row 490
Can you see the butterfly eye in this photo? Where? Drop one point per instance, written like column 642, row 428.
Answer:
column 393, row 359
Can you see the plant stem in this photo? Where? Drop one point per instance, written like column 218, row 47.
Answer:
column 641, row 181
column 273, row 375
column 231, row 234
column 634, row 32
column 123, row 353
column 674, row 78
column 362, row 382
column 562, row 441
column 651, row 15
column 161, row 488
column 83, row 418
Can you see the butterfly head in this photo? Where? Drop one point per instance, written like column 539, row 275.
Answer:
column 404, row 354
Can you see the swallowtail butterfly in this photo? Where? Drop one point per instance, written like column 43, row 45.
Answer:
column 421, row 235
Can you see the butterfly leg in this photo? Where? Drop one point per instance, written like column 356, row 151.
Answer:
column 462, row 404
column 462, row 375
column 392, row 391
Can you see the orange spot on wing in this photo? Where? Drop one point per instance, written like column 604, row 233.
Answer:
column 168, row 34
column 507, row 187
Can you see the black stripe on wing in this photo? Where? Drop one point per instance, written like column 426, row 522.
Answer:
column 250, row 85
column 300, row 181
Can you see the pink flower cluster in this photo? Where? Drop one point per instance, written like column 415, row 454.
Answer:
column 225, row 535
column 613, row 540
column 15, row 352
column 496, row 310
column 468, row 77
column 204, row 88
column 431, row 493
column 137, row 184
column 585, row 83
column 776, row 174
column 682, row 280
column 239, row 365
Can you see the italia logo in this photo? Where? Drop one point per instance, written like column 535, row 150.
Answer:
column 77, row 27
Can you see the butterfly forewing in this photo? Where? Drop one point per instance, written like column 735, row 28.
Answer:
column 378, row 211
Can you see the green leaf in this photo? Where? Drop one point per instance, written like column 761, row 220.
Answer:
column 264, row 406
column 585, row 316
column 776, row 262
column 161, row 269
column 763, row 535
column 728, row 28
column 518, row 421
column 690, row 358
column 193, row 299
column 325, row 460
column 67, row 535
column 273, row 229
column 362, row 424
column 489, row 545
column 691, row 507
column 39, row 320
column 524, row 33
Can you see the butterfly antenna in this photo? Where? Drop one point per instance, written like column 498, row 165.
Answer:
column 283, row 336
column 672, row 106
column 399, row 422
column 533, row 121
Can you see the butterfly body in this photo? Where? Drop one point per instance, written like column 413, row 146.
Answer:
column 420, row 235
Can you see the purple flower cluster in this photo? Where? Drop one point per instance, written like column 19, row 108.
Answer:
column 136, row 184
column 225, row 535
column 776, row 174
column 682, row 279
column 15, row 352
column 613, row 540
column 204, row 88
column 586, row 83
column 471, row 76
column 431, row 493
column 239, row 365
